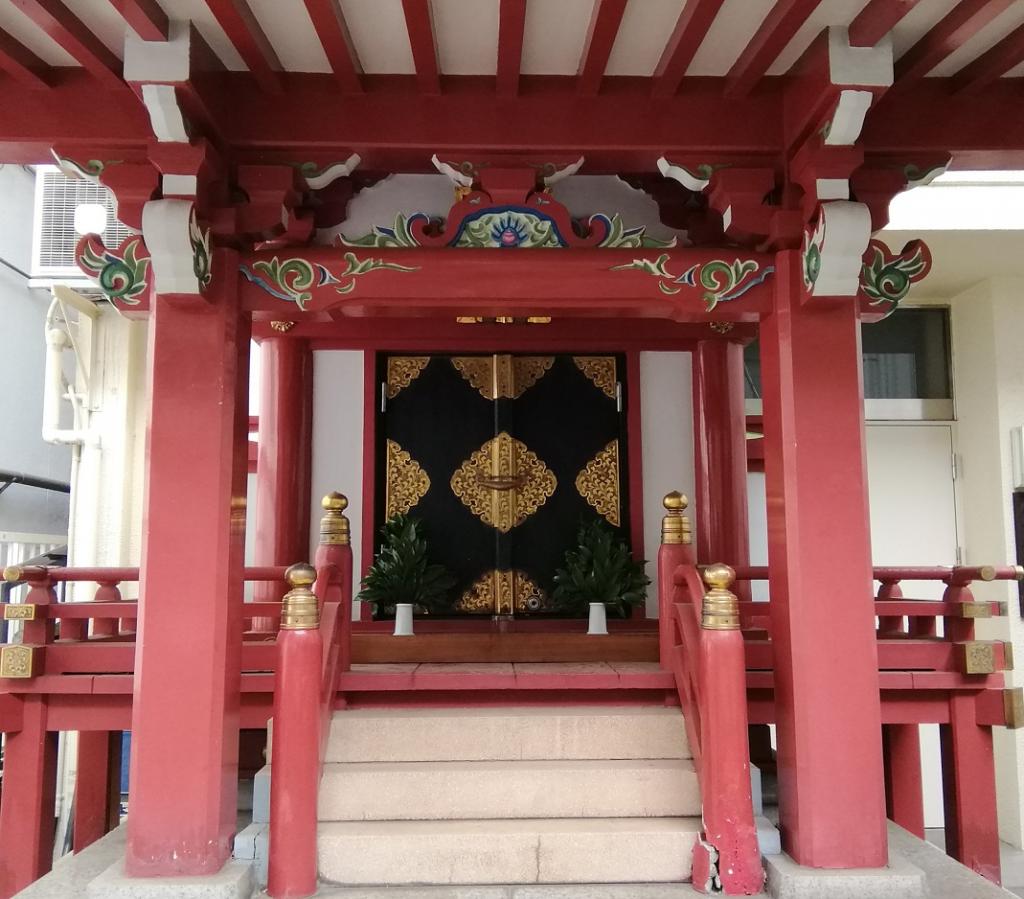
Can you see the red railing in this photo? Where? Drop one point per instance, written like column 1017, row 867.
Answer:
column 314, row 647
column 702, row 645
column 927, row 674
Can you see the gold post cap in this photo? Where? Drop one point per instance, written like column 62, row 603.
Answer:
column 719, row 576
column 675, row 526
column 988, row 572
column 720, row 610
column 1019, row 572
column 300, row 609
column 12, row 573
column 334, row 502
column 675, row 501
column 334, row 528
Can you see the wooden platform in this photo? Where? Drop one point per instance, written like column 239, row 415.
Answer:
column 375, row 648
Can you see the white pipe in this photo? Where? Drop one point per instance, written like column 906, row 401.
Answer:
column 53, row 391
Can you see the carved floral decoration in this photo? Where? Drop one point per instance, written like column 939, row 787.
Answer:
column 886, row 278
column 810, row 256
column 202, row 259
column 122, row 273
column 721, row 281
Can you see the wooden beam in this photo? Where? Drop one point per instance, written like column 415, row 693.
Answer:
column 21, row 63
column 75, row 38
column 992, row 64
column 877, row 19
column 691, row 28
column 420, row 23
column 964, row 21
column 242, row 29
column 776, row 31
column 144, row 17
column 329, row 22
column 511, row 27
column 604, row 26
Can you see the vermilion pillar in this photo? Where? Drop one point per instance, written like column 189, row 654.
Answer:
column 831, row 788
column 284, row 460
column 184, row 758
column 720, row 453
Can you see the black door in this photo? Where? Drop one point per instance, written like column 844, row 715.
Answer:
column 502, row 457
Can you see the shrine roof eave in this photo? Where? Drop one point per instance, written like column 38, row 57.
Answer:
column 396, row 128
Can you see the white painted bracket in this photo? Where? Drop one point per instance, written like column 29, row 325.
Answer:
column 834, row 249
column 332, row 173
column 159, row 66
column 564, row 172
column 459, row 179
column 684, row 176
column 165, row 227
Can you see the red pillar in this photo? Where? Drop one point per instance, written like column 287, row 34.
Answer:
column 831, row 788
column 185, row 713
column 720, row 454
column 27, row 809
column 904, row 798
column 97, row 786
column 284, row 462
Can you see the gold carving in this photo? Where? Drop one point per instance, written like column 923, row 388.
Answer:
column 598, row 483
column 721, row 327
column 503, row 483
column 17, row 661
column 402, row 371
column 501, row 592
column 282, row 327
column 600, row 370
column 24, row 611
column 407, row 483
column 502, row 376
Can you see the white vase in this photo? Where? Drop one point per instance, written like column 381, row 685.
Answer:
column 598, row 619
column 403, row 619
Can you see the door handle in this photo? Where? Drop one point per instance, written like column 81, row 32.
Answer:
column 501, row 481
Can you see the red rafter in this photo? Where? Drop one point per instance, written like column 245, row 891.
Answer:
column 877, row 19
column 965, row 20
column 144, row 17
column 242, row 29
column 330, row 25
column 74, row 37
column 691, row 27
column 604, row 26
column 21, row 63
column 776, row 31
column 420, row 24
column 511, row 26
column 993, row 63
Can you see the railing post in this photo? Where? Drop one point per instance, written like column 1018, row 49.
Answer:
column 725, row 769
column 295, row 767
column 676, row 550
column 890, row 625
column 107, row 591
column 335, row 551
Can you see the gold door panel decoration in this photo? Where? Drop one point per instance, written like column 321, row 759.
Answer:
column 503, row 483
column 406, row 482
column 402, row 371
column 601, row 371
column 501, row 593
column 598, row 483
column 502, row 376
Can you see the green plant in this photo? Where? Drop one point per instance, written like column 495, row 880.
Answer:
column 402, row 571
column 600, row 568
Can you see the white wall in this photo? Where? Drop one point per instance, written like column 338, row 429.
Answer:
column 22, row 352
column 338, row 442
column 666, row 400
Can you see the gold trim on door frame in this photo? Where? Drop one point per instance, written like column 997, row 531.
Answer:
column 502, row 376
column 501, row 592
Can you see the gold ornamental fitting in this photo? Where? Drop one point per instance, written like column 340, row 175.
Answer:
column 334, row 524
column 675, row 526
column 300, row 611
column 12, row 573
column 721, row 608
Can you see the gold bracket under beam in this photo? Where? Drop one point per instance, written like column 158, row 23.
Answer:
column 976, row 657
column 1013, row 707
column 18, row 661
column 975, row 610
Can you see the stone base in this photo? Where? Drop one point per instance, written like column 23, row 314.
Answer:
column 233, row 881
column 898, row 880
column 550, row 891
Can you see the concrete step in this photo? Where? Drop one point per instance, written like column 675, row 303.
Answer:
column 522, row 789
column 575, row 732
column 562, row 851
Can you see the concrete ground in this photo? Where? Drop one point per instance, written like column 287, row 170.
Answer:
column 1011, row 860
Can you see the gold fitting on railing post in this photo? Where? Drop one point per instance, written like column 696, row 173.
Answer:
column 12, row 573
column 675, row 526
column 18, row 661
column 300, row 611
column 334, row 524
column 721, row 608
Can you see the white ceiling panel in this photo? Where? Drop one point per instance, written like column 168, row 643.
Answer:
column 917, row 23
column 466, row 32
column 26, row 32
column 378, row 32
column 645, row 29
column 828, row 12
column 555, row 33
column 986, row 37
column 290, row 32
column 103, row 20
column 736, row 23
column 208, row 27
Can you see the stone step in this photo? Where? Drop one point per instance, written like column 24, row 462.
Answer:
column 615, row 788
column 453, row 734
column 556, row 851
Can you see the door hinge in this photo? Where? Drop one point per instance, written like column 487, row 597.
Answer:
column 383, row 397
column 618, row 396
column 955, row 465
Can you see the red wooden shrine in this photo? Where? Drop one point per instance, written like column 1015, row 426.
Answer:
column 778, row 181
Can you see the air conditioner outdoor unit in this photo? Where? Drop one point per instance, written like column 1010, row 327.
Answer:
column 54, row 235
